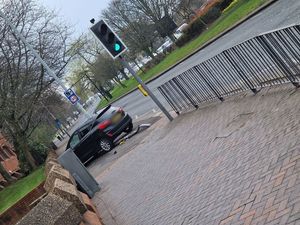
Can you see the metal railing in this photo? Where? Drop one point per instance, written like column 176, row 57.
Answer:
column 265, row 60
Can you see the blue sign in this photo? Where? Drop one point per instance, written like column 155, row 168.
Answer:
column 71, row 96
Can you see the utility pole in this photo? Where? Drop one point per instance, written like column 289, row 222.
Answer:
column 140, row 81
column 35, row 53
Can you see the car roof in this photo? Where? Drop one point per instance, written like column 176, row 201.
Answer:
column 92, row 119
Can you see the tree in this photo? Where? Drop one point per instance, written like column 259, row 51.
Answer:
column 186, row 8
column 105, row 68
column 132, row 26
column 23, row 80
column 79, row 81
column 86, row 50
column 155, row 10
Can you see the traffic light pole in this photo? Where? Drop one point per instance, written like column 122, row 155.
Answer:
column 35, row 53
column 139, row 80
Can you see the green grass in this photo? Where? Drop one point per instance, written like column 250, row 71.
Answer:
column 13, row 193
column 228, row 19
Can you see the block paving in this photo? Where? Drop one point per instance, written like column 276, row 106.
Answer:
column 236, row 162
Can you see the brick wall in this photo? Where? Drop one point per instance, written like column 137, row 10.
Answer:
column 12, row 215
column 8, row 157
column 11, row 164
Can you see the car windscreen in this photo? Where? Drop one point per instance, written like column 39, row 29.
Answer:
column 107, row 115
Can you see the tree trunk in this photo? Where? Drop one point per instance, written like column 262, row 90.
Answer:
column 135, row 62
column 149, row 53
column 4, row 173
column 119, row 82
column 22, row 146
column 29, row 158
column 105, row 93
column 124, row 74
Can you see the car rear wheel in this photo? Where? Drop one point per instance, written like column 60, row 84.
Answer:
column 129, row 128
column 106, row 144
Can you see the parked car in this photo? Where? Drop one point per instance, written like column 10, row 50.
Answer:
column 164, row 46
column 98, row 134
column 179, row 31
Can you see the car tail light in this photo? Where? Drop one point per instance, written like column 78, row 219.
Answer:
column 104, row 124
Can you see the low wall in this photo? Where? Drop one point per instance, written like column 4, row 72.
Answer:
column 61, row 192
column 12, row 215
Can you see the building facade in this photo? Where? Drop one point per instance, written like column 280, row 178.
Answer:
column 8, row 157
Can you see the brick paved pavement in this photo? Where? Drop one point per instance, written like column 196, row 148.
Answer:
column 236, row 162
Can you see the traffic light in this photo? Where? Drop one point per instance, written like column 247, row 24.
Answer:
column 110, row 41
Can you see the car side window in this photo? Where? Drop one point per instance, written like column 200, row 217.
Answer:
column 74, row 140
column 84, row 132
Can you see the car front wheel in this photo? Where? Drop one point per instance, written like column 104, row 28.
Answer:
column 106, row 144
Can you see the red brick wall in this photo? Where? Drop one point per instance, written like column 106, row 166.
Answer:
column 10, row 162
column 12, row 215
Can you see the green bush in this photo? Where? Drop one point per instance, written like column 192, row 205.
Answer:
column 196, row 27
column 39, row 151
column 193, row 30
column 158, row 58
column 183, row 40
column 211, row 15
column 169, row 49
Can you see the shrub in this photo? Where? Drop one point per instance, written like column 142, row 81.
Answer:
column 39, row 151
column 158, row 58
column 223, row 4
column 196, row 27
column 211, row 15
column 183, row 40
column 170, row 49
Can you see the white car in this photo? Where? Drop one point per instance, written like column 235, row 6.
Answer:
column 165, row 45
column 179, row 31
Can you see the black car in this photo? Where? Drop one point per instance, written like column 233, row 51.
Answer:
column 98, row 134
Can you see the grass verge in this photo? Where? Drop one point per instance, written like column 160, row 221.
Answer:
column 13, row 193
column 239, row 11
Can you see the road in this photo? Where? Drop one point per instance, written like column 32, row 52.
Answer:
column 281, row 14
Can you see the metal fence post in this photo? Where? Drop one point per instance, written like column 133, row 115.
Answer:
column 184, row 92
column 239, row 71
column 209, row 85
column 276, row 58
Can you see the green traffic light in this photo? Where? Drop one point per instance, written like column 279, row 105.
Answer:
column 117, row 47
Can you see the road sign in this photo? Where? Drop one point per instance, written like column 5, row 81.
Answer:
column 109, row 39
column 71, row 96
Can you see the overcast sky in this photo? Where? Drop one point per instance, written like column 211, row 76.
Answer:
column 77, row 12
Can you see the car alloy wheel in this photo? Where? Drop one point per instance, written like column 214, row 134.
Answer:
column 106, row 145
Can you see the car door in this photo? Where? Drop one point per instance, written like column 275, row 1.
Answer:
column 74, row 143
column 88, row 143
column 74, row 140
